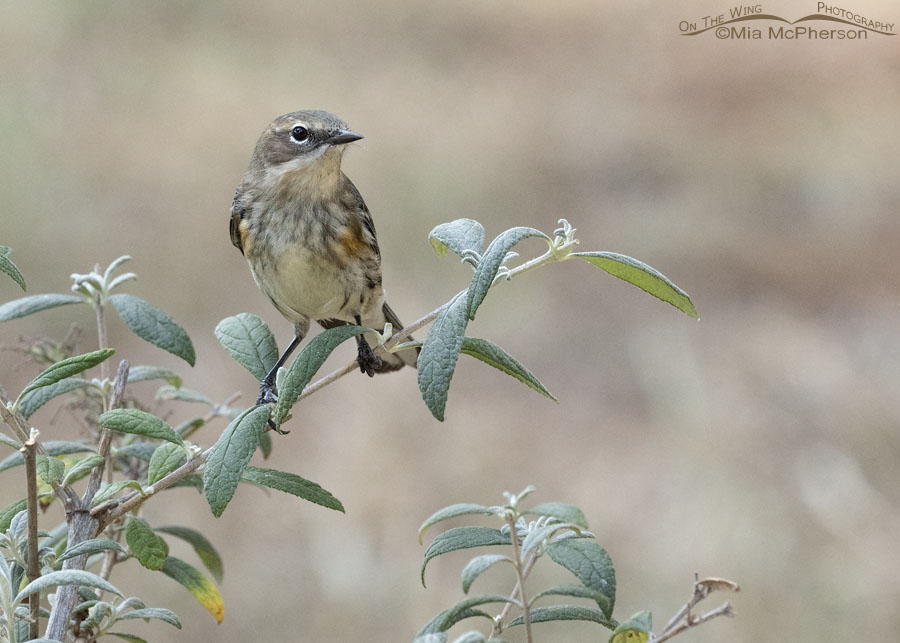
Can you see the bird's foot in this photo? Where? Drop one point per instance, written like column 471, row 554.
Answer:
column 267, row 394
column 368, row 361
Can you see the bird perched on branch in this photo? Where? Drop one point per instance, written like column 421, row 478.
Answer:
column 309, row 238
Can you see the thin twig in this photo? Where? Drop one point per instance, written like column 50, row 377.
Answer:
column 106, row 435
column 683, row 620
column 526, row 570
column 517, row 557
column 29, row 452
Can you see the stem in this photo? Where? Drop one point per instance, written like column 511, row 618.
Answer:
column 724, row 609
column 29, row 451
column 101, row 333
column 22, row 430
column 517, row 557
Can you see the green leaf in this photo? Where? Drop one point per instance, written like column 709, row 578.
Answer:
column 579, row 591
column 107, row 491
column 153, row 325
column 490, row 353
column 66, row 368
column 590, row 563
column 230, row 455
column 53, row 447
column 248, row 340
column 10, row 512
column 462, row 538
column 292, row 484
column 192, row 480
column 139, row 449
column 50, row 468
column 472, row 636
column 139, row 422
column 182, row 395
column 159, row 613
column 562, row 511
column 490, row 263
column 459, row 509
column 538, row 535
column 636, row 629
column 34, row 304
column 643, row 276
column 430, row 629
column 197, row 584
column 265, row 445
column 37, row 398
column 203, row 548
column 564, row 613
column 462, row 236
column 478, row 565
column 147, row 547
column 7, row 266
column 131, row 638
column 307, row 363
column 439, row 355
column 144, row 373
column 82, row 468
column 91, row 546
column 66, row 577
column 8, row 441
column 457, row 613
column 164, row 461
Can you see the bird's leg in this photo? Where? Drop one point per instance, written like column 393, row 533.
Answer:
column 368, row 361
column 267, row 394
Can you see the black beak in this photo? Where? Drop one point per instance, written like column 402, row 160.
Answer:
column 343, row 136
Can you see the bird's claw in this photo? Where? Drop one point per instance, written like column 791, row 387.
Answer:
column 368, row 361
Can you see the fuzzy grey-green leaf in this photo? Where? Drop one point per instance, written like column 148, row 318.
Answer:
column 50, row 468
column 230, row 455
column 562, row 511
column 34, row 304
column 462, row 236
column 565, row 613
column 109, row 490
column 81, row 468
column 307, row 363
column 590, row 563
column 579, row 591
column 53, row 447
column 66, row 577
column 139, row 422
column 7, row 514
column 142, row 373
column 91, row 546
column 145, row 545
column 490, row 263
column 7, row 266
column 202, row 547
column 159, row 613
column 440, row 352
column 38, row 397
column 165, row 459
column 292, row 484
column 459, row 509
column 169, row 392
column 490, row 353
column 65, row 368
column 462, row 538
column 458, row 612
column 479, row 565
column 249, row 341
column 154, row 325
column 645, row 277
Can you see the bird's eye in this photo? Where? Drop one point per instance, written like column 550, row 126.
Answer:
column 299, row 133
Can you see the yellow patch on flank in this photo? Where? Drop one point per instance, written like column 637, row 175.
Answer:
column 352, row 243
column 243, row 229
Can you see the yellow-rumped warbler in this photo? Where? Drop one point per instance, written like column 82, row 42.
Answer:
column 309, row 238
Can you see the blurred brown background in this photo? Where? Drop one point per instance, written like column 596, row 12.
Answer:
column 759, row 444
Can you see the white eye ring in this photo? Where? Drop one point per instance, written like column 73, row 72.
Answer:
column 299, row 134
